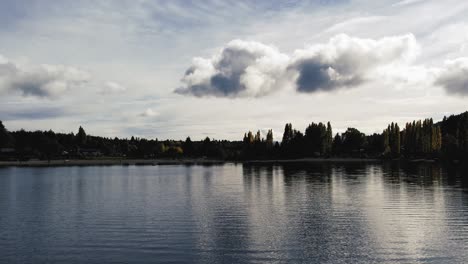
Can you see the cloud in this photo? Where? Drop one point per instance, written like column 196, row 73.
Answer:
column 346, row 62
column 149, row 113
column 406, row 3
column 243, row 69
column 112, row 88
column 35, row 113
column 355, row 23
column 240, row 69
column 41, row 81
column 454, row 77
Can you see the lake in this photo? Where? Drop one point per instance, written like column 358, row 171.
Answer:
column 234, row 213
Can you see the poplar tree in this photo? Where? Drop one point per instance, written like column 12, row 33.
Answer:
column 269, row 138
column 288, row 134
column 329, row 139
column 81, row 136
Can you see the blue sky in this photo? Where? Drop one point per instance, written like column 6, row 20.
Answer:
column 169, row 69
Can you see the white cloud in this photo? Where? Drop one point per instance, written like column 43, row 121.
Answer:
column 346, row 62
column 149, row 52
column 354, row 23
column 240, row 69
column 243, row 69
column 39, row 80
column 407, row 2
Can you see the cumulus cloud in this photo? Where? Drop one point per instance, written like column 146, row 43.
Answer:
column 42, row 81
column 241, row 68
column 253, row 69
column 346, row 62
column 454, row 77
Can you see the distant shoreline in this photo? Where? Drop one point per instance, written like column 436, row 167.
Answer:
column 107, row 162
column 155, row 162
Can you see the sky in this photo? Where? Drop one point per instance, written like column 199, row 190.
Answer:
column 172, row 69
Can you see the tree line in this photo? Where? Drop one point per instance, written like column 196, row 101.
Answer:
column 447, row 139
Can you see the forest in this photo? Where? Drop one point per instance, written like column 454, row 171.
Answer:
column 422, row 139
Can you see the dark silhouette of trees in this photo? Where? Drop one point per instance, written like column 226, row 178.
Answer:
column 337, row 145
column 375, row 145
column 422, row 139
column 269, row 139
column 447, row 139
column 328, row 140
column 288, row 134
column 188, row 148
column 292, row 145
column 353, row 142
column 392, row 140
column 256, row 147
column 454, row 130
column 6, row 140
column 318, row 139
column 81, row 137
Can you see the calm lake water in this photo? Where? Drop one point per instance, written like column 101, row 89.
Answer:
column 309, row 213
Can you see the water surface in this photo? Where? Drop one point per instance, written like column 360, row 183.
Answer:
column 309, row 213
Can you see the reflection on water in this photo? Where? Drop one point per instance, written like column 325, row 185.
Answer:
column 315, row 213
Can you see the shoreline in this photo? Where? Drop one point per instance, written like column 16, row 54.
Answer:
column 107, row 162
column 157, row 162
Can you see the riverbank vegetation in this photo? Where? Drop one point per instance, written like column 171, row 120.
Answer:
column 422, row 139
